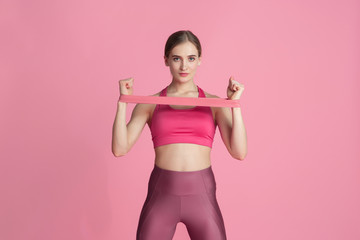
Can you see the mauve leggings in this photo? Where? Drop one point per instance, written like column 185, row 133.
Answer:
column 188, row 197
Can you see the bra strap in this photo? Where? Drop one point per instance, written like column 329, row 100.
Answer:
column 163, row 92
column 201, row 92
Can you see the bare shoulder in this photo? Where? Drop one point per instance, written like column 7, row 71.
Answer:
column 209, row 95
column 145, row 107
column 214, row 109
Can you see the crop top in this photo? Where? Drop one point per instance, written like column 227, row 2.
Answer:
column 192, row 125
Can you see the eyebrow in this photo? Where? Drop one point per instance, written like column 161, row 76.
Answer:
column 180, row 56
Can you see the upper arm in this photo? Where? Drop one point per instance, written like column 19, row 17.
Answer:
column 223, row 118
column 139, row 117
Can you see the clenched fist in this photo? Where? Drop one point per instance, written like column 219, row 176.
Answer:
column 126, row 86
column 234, row 89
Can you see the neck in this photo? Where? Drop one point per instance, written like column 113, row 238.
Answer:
column 179, row 87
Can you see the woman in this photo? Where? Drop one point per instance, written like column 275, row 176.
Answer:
column 182, row 186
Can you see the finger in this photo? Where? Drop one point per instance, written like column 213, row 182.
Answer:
column 237, row 87
column 127, row 83
column 230, row 80
column 235, row 82
column 126, row 80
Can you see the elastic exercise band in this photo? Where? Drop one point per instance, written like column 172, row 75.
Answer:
column 186, row 101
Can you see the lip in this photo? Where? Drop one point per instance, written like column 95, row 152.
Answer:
column 183, row 74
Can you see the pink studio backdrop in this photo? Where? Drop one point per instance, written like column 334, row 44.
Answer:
column 60, row 66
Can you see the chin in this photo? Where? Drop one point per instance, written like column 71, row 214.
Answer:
column 184, row 79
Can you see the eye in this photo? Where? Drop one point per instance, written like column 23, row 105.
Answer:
column 176, row 59
column 191, row 59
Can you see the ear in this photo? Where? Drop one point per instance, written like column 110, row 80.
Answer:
column 166, row 61
column 199, row 61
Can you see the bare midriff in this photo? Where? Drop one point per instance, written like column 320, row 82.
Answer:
column 182, row 157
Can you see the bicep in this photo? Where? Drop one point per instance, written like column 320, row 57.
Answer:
column 139, row 117
column 223, row 118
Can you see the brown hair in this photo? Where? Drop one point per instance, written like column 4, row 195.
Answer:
column 180, row 37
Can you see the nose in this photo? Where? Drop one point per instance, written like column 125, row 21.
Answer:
column 184, row 65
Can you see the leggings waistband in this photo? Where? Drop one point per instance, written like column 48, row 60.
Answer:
column 182, row 182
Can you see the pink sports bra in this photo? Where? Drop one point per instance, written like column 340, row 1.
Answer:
column 192, row 125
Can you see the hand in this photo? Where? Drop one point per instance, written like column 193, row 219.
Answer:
column 234, row 89
column 126, row 86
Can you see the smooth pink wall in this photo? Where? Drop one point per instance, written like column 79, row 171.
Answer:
column 60, row 66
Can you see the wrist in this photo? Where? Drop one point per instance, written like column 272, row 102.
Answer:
column 121, row 107
column 121, row 102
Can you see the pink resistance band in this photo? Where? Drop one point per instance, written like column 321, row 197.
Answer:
column 186, row 101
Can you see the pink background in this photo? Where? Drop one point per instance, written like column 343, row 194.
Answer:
column 60, row 66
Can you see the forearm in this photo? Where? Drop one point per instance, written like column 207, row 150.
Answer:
column 119, row 134
column 238, row 141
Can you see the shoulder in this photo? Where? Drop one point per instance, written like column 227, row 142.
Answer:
column 209, row 95
column 145, row 107
column 218, row 111
column 214, row 109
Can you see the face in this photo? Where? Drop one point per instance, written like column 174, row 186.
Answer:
column 183, row 61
